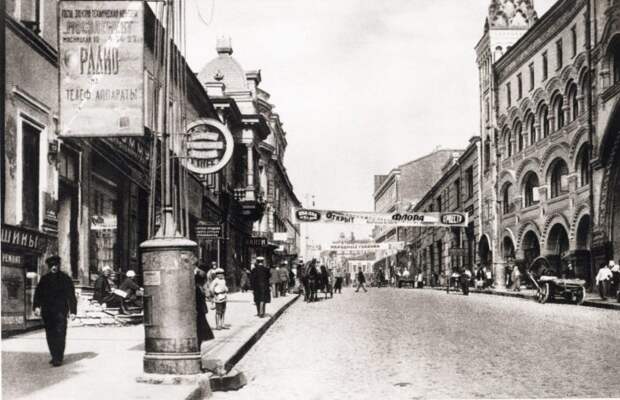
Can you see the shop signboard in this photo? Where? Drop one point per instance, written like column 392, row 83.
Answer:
column 257, row 242
column 23, row 239
column 280, row 237
column 101, row 68
column 428, row 219
column 209, row 146
column 208, row 231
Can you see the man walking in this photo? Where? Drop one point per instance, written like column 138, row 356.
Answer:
column 259, row 277
column 338, row 283
column 283, row 278
column 361, row 279
column 54, row 298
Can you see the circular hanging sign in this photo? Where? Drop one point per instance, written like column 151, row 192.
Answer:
column 209, row 146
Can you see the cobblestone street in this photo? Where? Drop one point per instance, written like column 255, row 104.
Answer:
column 407, row 344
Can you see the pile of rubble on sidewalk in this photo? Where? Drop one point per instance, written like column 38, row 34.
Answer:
column 91, row 313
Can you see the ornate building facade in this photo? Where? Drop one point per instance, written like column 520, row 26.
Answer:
column 265, row 192
column 549, row 126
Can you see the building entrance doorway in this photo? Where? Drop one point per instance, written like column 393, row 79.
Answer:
column 531, row 248
column 557, row 248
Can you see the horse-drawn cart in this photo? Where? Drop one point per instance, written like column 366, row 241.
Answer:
column 549, row 286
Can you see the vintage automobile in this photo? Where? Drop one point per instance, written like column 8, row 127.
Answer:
column 550, row 286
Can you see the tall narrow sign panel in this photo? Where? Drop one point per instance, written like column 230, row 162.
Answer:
column 101, row 57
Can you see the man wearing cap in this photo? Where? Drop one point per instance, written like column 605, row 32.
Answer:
column 54, row 298
column 260, row 276
column 131, row 289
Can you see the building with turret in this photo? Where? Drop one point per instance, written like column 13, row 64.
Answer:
column 265, row 193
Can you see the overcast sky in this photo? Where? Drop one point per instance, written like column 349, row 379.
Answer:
column 361, row 86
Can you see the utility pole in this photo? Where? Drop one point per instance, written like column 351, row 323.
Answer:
column 169, row 259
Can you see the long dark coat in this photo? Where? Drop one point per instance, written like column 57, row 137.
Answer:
column 55, row 293
column 204, row 330
column 259, row 277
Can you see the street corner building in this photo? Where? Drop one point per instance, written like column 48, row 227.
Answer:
column 266, row 194
column 88, row 200
column 549, row 131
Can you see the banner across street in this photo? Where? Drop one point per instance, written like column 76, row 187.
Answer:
column 306, row 215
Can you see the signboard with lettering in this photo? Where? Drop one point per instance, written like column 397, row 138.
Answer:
column 257, row 242
column 208, row 231
column 29, row 240
column 209, row 146
column 382, row 219
column 101, row 59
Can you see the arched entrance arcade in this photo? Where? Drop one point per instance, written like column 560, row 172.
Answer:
column 583, row 241
column 557, row 248
column 531, row 248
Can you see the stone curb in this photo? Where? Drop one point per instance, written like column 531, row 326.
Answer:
column 234, row 380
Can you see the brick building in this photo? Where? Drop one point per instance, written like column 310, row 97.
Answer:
column 404, row 186
column 437, row 250
column 549, row 125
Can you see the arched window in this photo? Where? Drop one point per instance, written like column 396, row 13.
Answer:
column 573, row 102
column 530, row 126
column 544, row 121
column 557, row 170
column 558, row 112
column 507, row 205
column 508, row 142
column 518, row 130
column 585, row 82
column 530, row 183
column 614, row 58
column 487, row 154
column 583, row 165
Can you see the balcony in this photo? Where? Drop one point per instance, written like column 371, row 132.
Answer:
column 251, row 201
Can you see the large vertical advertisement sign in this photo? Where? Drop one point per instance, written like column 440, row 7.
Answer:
column 101, row 57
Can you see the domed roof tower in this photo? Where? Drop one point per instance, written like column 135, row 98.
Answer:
column 224, row 68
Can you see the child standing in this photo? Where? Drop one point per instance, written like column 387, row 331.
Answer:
column 219, row 290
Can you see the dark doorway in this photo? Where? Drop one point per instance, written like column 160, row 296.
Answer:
column 557, row 246
column 531, row 248
column 582, row 253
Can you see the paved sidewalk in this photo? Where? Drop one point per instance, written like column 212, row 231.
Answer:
column 104, row 362
column 592, row 299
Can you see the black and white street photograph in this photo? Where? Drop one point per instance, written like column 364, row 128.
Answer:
column 310, row 200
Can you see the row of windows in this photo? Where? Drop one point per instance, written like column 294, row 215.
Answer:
column 556, row 179
column 441, row 202
column 518, row 137
column 559, row 52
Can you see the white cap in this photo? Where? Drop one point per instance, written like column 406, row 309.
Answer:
column 130, row 274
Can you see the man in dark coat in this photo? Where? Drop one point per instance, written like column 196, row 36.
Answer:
column 54, row 298
column 312, row 277
column 261, row 288
column 361, row 280
column 204, row 331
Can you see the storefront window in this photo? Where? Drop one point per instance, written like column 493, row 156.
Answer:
column 103, row 224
